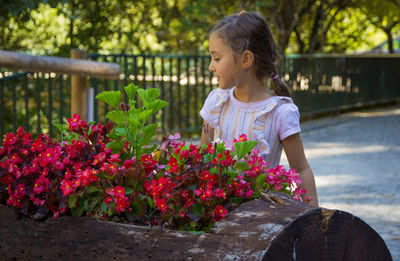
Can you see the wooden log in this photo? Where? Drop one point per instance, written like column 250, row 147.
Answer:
column 257, row 230
column 30, row 63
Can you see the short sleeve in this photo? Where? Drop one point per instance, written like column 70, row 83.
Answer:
column 287, row 120
column 211, row 100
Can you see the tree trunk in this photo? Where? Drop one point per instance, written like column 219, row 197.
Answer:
column 388, row 32
column 277, row 228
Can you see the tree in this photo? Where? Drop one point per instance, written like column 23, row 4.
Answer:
column 384, row 14
column 13, row 15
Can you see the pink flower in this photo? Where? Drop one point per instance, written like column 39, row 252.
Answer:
column 175, row 136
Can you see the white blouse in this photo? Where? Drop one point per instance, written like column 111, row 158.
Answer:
column 269, row 121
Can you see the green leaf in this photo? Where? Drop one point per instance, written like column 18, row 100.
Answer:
column 144, row 115
column 117, row 116
column 72, row 201
column 131, row 91
column 238, row 200
column 148, row 95
column 193, row 224
column 197, row 210
column 78, row 211
column 232, row 175
column 128, row 191
column 220, row 147
column 112, row 98
column 244, row 147
column 103, row 206
column 158, row 105
column 133, row 119
column 261, row 180
column 242, row 166
column 150, row 201
column 92, row 188
column 115, row 145
column 60, row 127
column 148, row 132
column 122, row 132
column 86, row 205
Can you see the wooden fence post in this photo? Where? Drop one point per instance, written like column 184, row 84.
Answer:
column 79, row 88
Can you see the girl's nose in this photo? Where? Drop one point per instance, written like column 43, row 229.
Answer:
column 211, row 68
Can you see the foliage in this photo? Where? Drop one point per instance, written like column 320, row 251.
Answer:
column 109, row 171
column 182, row 26
column 385, row 15
column 132, row 133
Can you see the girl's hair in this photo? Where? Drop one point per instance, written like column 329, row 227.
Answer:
column 249, row 31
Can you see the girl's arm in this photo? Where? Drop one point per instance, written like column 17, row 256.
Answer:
column 297, row 160
column 207, row 134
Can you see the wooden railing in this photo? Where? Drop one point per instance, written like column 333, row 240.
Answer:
column 77, row 66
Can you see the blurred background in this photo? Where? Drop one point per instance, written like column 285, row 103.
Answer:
column 336, row 54
column 50, row 27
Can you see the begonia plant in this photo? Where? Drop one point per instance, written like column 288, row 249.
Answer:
column 116, row 171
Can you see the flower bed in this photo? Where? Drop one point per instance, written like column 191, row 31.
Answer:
column 112, row 172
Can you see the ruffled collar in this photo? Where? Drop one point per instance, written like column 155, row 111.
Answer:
column 264, row 105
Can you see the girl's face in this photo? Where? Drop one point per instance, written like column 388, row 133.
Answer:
column 222, row 63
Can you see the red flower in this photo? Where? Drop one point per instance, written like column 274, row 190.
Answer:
column 7, row 179
column 174, row 166
column 66, row 187
column 41, row 184
column 242, row 137
column 75, row 124
column 210, row 149
column 220, row 193
column 119, row 191
column 108, row 200
column 122, row 203
column 37, row 201
column 161, row 204
column 20, row 191
column 148, row 163
column 219, row 213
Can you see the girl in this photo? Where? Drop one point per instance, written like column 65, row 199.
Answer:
column 243, row 55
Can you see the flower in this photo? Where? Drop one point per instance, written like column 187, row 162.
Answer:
column 75, row 124
column 160, row 203
column 242, row 137
column 67, row 187
column 219, row 213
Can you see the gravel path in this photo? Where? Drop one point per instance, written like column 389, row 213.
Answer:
column 356, row 162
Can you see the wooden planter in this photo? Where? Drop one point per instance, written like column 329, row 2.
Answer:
column 277, row 228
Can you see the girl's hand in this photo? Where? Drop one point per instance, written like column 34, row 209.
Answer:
column 207, row 134
column 209, row 131
column 297, row 160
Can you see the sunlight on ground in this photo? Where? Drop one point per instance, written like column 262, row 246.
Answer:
column 328, row 149
column 336, row 179
column 367, row 211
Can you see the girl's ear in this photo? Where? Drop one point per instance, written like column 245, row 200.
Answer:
column 247, row 59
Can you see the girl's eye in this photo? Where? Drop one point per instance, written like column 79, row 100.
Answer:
column 216, row 59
